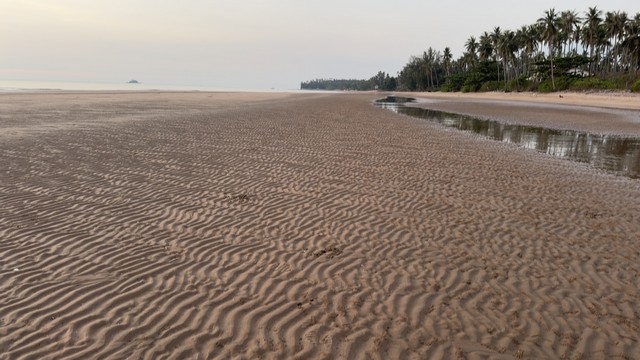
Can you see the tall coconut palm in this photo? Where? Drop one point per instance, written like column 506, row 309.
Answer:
column 495, row 38
column 446, row 60
column 617, row 33
column 592, row 21
column 485, row 48
column 550, row 23
column 472, row 48
column 631, row 44
column 530, row 40
column 610, row 25
column 569, row 23
column 507, row 47
column 602, row 44
column 521, row 38
column 577, row 36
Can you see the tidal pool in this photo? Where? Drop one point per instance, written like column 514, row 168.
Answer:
column 616, row 154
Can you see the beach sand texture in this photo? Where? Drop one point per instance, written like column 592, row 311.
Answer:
column 204, row 225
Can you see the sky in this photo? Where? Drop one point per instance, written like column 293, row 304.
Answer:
column 247, row 44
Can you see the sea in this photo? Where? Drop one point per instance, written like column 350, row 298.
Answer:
column 43, row 86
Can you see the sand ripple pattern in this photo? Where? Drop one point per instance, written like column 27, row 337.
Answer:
column 304, row 226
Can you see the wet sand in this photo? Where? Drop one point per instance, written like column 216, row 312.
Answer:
column 602, row 113
column 197, row 225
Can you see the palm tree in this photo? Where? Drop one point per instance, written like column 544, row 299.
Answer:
column 551, row 23
column 508, row 46
column 610, row 28
column 521, row 37
column 529, row 37
column 472, row 47
column 612, row 43
column 602, row 44
column 617, row 32
column 495, row 38
column 569, row 24
column 592, row 22
column 577, row 35
column 446, row 59
column 431, row 64
column 485, row 48
column 631, row 44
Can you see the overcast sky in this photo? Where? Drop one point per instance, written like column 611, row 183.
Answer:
column 245, row 44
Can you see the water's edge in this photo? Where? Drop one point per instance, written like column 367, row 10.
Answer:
column 615, row 154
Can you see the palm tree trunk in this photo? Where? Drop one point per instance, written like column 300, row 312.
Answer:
column 553, row 81
column 505, row 75
column 590, row 54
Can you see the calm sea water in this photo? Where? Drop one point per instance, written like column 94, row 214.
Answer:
column 29, row 86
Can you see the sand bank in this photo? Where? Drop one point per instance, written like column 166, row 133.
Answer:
column 607, row 113
column 300, row 226
column 616, row 100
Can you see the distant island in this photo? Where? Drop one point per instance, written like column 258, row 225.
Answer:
column 133, row 81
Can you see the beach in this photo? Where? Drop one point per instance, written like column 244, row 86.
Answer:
column 149, row 225
column 602, row 113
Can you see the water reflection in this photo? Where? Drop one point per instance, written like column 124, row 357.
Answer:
column 616, row 154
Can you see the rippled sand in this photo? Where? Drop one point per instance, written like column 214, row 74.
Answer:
column 190, row 226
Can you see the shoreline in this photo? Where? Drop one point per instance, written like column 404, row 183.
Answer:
column 602, row 113
column 615, row 100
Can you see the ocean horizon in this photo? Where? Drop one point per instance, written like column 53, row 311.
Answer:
column 37, row 86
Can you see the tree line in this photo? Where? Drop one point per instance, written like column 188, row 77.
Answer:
column 559, row 51
column 381, row 81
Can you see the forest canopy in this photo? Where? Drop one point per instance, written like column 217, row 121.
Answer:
column 381, row 81
column 559, row 51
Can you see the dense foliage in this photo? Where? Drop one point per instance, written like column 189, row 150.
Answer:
column 381, row 81
column 559, row 51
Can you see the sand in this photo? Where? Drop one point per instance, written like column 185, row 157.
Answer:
column 612, row 100
column 204, row 225
column 602, row 113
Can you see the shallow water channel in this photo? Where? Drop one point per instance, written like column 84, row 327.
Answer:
column 616, row 154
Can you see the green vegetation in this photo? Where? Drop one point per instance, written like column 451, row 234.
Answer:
column 381, row 81
column 560, row 51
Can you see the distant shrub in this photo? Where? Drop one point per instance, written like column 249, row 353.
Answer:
column 449, row 87
column 562, row 83
column 636, row 86
column 545, row 87
column 591, row 83
column 531, row 85
column 470, row 86
column 467, row 88
column 521, row 84
column 491, row 86
column 454, row 82
column 622, row 81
